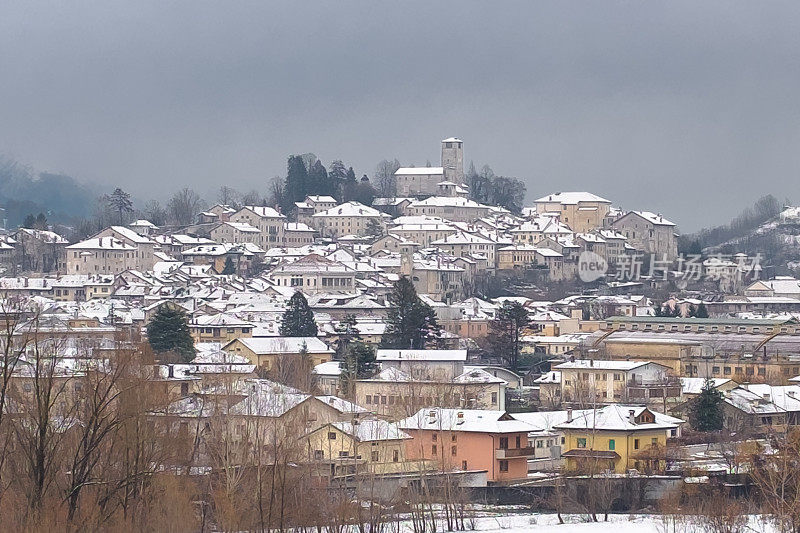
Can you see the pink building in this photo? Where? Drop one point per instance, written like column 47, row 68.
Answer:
column 471, row 439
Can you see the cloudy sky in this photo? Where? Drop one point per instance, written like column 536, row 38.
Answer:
column 691, row 109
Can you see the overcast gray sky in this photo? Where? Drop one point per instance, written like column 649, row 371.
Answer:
column 691, row 109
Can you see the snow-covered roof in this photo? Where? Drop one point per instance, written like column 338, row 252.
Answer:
column 478, row 375
column 318, row 199
column 623, row 366
column 371, row 430
column 467, row 420
column 349, row 209
column 342, row 405
column 290, row 345
column 328, row 368
column 241, row 226
column 421, row 355
column 102, row 243
column 424, row 171
column 617, row 417
column 447, row 201
column 654, row 218
column 569, row 198
column 695, row 385
column 298, row 226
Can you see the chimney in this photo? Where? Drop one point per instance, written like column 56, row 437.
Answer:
column 767, row 397
column 569, row 415
column 631, row 416
column 171, row 371
column 591, row 362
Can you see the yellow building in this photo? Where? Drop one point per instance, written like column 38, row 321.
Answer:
column 617, row 438
column 220, row 327
column 362, row 446
column 266, row 351
column 582, row 211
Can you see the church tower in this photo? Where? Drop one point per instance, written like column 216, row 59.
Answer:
column 453, row 160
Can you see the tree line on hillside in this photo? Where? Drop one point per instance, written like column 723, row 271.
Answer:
column 29, row 198
column 764, row 209
column 307, row 176
column 487, row 188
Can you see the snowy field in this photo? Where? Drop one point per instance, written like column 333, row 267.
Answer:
column 548, row 523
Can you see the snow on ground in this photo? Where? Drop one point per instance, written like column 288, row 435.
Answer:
column 548, row 523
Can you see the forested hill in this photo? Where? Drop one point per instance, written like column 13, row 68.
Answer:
column 23, row 191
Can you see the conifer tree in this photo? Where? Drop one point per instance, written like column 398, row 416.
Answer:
column 705, row 411
column 230, row 268
column 701, row 311
column 295, row 189
column 168, row 332
column 120, row 203
column 359, row 363
column 318, row 181
column 298, row 319
column 411, row 323
column 505, row 333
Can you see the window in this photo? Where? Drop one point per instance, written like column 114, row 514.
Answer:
column 319, row 455
column 504, row 465
column 434, row 449
column 453, row 450
column 434, row 437
column 503, row 443
column 518, row 442
column 581, row 443
column 463, row 465
column 654, row 441
column 331, row 435
column 395, row 456
column 611, row 444
column 373, row 456
column 344, row 454
column 369, row 399
column 635, row 444
column 494, row 398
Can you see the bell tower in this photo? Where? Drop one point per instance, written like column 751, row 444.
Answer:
column 453, row 159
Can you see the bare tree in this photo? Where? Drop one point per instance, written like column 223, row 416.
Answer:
column 184, row 206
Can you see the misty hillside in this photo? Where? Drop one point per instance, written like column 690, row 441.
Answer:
column 23, row 191
column 767, row 229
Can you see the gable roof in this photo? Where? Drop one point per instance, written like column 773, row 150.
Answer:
column 282, row 345
column 616, row 417
column 467, row 420
column 570, row 198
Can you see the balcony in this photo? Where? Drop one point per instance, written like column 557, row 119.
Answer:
column 510, row 453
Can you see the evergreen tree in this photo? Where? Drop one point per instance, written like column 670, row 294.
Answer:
column 120, row 203
column 337, row 174
column 318, row 181
column 168, row 332
column 230, row 268
column 296, row 188
column 373, row 228
column 411, row 323
column 29, row 222
column 705, row 411
column 359, row 363
column 701, row 311
column 298, row 319
column 505, row 332
column 346, row 333
column 41, row 222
